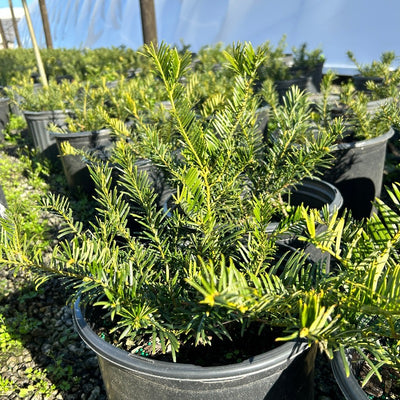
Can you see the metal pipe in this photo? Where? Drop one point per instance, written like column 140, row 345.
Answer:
column 15, row 25
column 46, row 25
column 42, row 72
column 149, row 27
column 3, row 35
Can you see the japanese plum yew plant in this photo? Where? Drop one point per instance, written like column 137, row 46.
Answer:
column 377, row 68
column 165, row 279
column 360, row 121
column 29, row 96
column 355, row 306
column 305, row 59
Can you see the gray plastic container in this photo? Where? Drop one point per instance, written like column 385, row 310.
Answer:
column 75, row 168
column 38, row 123
column 358, row 172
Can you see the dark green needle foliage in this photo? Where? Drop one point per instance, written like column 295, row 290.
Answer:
column 166, row 270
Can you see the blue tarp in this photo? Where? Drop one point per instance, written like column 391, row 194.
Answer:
column 366, row 28
column 15, row 3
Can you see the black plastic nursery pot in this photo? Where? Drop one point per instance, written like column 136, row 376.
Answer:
column 283, row 86
column 313, row 75
column 315, row 78
column 357, row 172
column 284, row 373
column 360, row 81
column 349, row 385
column 75, row 168
column 38, row 122
column 314, row 193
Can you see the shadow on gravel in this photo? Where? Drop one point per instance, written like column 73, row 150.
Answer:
column 43, row 355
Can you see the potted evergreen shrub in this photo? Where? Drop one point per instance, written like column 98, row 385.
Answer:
column 139, row 295
column 278, row 70
column 91, row 109
column 283, row 77
column 352, row 313
column 377, row 72
column 83, row 129
column 379, row 80
column 360, row 301
column 42, row 106
column 310, row 63
column 303, row 68
column 360, row 154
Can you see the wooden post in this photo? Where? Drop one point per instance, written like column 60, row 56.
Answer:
column 42, row 72
column 3, row 36
column 15, row 25
column 149, row 27
column 46, row 25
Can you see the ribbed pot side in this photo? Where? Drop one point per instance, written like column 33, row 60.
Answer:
column 285, row 372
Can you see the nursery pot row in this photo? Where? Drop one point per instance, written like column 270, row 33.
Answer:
column 49, row 144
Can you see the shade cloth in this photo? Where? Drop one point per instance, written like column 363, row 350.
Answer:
column 366, row 28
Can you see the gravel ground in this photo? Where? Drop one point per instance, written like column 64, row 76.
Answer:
column 41, row 355
column 41, row 325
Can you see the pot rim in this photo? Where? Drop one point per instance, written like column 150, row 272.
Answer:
column 44, row 112
column 179, row 371
column 318, row 187
column 67, row 135
column 349, row 385
column 365, row 143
